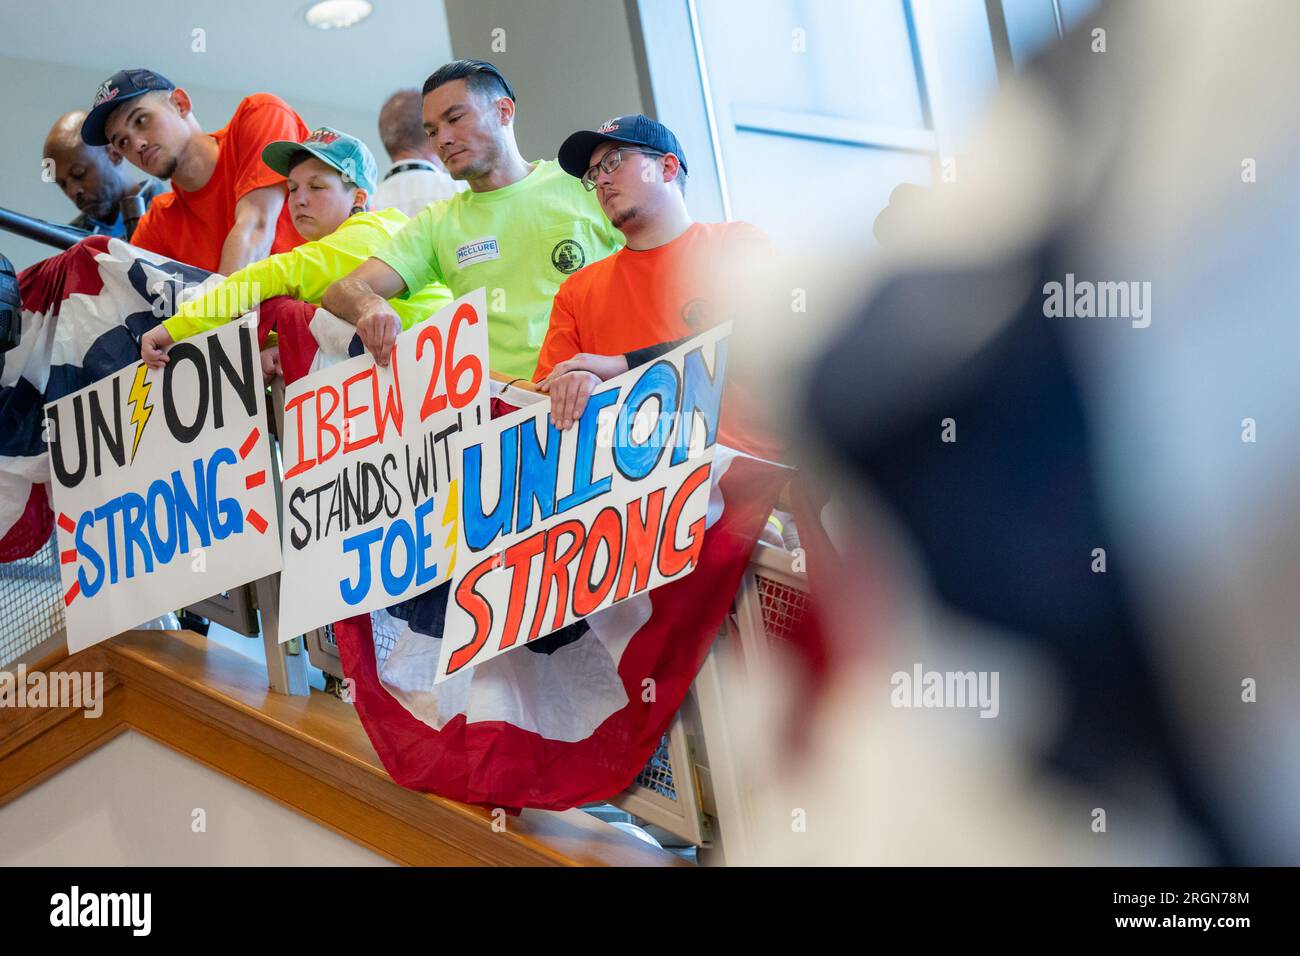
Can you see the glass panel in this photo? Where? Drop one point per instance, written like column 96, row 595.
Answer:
column 1031, row 26
column 852, row 60
column 968, row 72
column 1073, row 12
column 809, row 192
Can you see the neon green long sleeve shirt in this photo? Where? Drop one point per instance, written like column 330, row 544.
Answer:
column 305, row 273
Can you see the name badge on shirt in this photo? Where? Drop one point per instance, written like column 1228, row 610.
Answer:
column 480, row 250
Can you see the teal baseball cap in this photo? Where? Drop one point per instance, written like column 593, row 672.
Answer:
column 347, row 154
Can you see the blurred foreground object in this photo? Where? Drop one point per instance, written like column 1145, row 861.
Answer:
column 1059, row 408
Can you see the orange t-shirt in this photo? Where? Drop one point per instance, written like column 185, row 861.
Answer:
column 637, row 298
column 191, row 227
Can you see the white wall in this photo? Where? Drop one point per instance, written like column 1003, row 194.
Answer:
column 132, row 802
column 37, row 93
column 571, row 62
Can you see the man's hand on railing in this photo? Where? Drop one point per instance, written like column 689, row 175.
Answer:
column 379, row 327
column 572, row 381
column 603, row 367
column 270, row 362
column 569, row 394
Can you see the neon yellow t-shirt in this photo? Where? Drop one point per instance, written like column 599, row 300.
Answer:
column 519, row 242
column 305, row 272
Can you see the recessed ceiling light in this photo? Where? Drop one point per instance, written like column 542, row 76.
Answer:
column 337, row 14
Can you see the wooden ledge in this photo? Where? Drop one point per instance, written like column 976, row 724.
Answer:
column 309, row 753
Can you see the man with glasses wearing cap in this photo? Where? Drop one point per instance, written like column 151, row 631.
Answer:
column 519, row 230
column 331, row 177
column 226, row 209
column 663, row 286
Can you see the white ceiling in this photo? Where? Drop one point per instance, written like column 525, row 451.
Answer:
column 252, row 45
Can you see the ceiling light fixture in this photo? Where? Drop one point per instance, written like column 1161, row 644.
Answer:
column 337, row 14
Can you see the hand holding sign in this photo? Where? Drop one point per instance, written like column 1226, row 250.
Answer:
column 154, row 345
column 160, row 484
column 556, row 525
column 370, row 490
column 379, row 327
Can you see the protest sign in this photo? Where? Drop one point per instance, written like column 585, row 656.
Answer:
column 555, row 526
column 370, row 487
column 160, row 482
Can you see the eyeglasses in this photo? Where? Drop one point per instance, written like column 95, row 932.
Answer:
column 610, row 162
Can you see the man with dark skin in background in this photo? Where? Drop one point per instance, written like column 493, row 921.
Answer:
column 94, row 178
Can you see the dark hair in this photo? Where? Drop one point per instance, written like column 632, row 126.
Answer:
column 681, row 170
column 400, row 124
column 305, row 154
column 480, row 77
column 300, row 156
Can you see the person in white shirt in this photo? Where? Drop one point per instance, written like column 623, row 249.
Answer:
column 416, row 176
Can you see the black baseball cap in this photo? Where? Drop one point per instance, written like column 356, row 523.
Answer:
column 637, row 130
column 113, row 92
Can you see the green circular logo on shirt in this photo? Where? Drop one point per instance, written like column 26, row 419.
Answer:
column 567, row 256
column 695, row 313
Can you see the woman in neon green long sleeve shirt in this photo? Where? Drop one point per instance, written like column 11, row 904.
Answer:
column 331, row 176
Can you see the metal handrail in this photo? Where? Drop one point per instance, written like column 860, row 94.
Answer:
column 52, row 234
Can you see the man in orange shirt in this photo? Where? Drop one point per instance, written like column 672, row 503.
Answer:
column 660, row 288
column 226, row 208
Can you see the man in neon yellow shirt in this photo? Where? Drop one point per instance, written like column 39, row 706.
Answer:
column 330, row 176
column 519, row 230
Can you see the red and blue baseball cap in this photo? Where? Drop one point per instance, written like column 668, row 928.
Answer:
column 113, row 92
column 636, row 130
column 347, row 154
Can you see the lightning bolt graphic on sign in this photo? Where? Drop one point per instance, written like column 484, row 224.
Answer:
column 140, row 407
